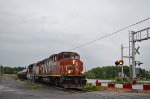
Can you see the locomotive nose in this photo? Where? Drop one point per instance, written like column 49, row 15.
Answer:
column 77, row 67
column 76, row 62
column 72, row 66
column 73, row 61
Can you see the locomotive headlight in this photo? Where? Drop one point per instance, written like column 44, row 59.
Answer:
column 69, row 72
column 82, row 72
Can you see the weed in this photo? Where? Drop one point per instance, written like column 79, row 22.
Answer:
column 94, row 88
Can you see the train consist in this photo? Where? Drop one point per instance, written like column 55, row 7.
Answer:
column 64, row 69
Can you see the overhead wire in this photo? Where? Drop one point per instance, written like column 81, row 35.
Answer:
column 109, row 34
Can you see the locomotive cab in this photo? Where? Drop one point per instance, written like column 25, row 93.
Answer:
column 71, row 63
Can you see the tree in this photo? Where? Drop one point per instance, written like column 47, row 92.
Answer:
column 12, row 70
column 108, row 72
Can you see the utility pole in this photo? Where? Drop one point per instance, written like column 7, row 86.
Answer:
column 122, row 56
column 1, row 70
column 122, row 73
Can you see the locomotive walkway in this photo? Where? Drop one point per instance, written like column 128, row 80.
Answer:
column 12, row 89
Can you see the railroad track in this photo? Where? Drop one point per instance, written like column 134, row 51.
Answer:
column 70, row 90
column 47, row 85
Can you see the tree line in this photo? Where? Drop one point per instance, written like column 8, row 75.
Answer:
column 110, row 72
column 12, row 70
column 106, row 72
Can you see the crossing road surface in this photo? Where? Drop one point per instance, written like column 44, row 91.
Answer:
column 12, row 89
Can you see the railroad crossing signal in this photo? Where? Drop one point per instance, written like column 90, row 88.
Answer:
column 119, row 62
column 134, row 37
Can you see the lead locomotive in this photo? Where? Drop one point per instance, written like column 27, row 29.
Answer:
column 63, row 69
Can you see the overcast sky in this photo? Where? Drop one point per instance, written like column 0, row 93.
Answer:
column 31, row 30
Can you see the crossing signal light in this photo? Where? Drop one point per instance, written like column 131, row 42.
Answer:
column 119, row 62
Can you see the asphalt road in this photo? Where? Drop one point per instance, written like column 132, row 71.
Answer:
column 12, row 89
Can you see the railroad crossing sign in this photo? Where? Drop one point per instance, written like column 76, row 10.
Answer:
column 137, row 50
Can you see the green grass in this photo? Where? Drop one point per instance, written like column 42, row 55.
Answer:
column 121, row 81
column 12, row 75
column 33, row 86
column 138, row 82
column 94, row 88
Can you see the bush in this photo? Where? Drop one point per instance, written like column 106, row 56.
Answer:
column 126, row 80
column 120, row 81
column 94, row 88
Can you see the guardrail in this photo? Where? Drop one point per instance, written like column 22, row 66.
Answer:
column 127, row 86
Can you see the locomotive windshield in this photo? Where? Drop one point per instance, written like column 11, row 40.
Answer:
column 75, row 56
column 67, row 55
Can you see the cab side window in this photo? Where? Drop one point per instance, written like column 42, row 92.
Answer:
column 55, row 58
column 60, row 57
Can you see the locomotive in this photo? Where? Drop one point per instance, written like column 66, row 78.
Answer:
column 64, row 69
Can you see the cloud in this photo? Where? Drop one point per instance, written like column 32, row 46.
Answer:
column 32, row 30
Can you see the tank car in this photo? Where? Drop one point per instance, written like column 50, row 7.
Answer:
column 63, row 69
column 22, row 74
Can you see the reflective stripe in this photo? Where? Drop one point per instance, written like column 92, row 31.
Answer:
column 119, row 85
column 104, row 84
column 140, row 87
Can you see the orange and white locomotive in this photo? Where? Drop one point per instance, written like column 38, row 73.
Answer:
column 64, row 69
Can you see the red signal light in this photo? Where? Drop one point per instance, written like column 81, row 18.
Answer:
column 116, row 63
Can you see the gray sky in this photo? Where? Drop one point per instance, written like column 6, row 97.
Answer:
column 31, row 30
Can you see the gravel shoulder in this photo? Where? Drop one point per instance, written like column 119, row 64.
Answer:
column 13, row 89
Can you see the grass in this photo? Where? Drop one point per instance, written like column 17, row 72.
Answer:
column 26, row 84
column 121, row 81
column 146, row 83
column 33, row 86
column 94, row 88
column 12, row 75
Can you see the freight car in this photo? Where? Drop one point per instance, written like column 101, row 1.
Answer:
column 63, row 69
column 22, row 74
